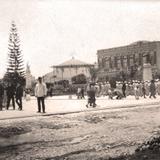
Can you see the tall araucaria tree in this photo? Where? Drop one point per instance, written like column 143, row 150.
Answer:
column 15, row 69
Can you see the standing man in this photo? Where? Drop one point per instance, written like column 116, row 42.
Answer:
column 78, row 93
column 10, row 95
column 82, row 93
column 124, row 89
column 19, row 95
column 158, row 87
column 144, row 90
column 1, row 96
column 40, row 93
column 136, row 92
column 152, row 89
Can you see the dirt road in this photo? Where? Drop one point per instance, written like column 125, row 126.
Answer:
column 90, row 135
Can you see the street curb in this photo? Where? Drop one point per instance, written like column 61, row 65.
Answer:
column 157, row 104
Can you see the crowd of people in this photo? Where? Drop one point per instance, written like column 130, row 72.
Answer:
column 119, row 90
column 114, row 90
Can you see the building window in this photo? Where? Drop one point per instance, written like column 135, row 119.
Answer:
column 128, row 60
column 106, row 66
column 102, row 63
column 119, row 63
column 115, row 62
column 131, row 60
column 153, row 58
column 140, row 59
column 110, row 63
column 125, row 61
column 151, row 55
column 137, row 58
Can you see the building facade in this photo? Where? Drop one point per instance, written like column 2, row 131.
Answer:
column 67, row 70
column 128, row 60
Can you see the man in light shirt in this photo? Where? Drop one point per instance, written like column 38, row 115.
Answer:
column 40, row 93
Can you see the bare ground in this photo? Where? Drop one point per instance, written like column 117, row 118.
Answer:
column 82, row 136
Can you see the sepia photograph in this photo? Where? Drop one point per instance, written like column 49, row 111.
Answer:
column 79, row 80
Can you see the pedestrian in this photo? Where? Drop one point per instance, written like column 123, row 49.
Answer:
column 97, row 90
column 1, row 96
column 107, row 86
column 127, row 89
column 19, row 95
column 10, row 95
column 152, row 89
column 158, row 87
column 78, row 93
column 140, row 88
column 118, row 86
column 136, row 92
column 143, row 90
column 124, row 89
column 40, row 93
column 102, row 90
column 51, row 91
column 110, row 94
column 91, row 96
column 82, row 93
column 147, row 87
column 5, row 96
column 118, row 93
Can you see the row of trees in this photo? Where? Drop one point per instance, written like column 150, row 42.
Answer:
column 15, row 68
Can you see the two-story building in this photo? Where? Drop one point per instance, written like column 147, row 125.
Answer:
column 125, row 59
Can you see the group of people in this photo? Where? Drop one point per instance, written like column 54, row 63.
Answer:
column 124, row 89
column 11, row 93
column 14, row 93
column 119, row 90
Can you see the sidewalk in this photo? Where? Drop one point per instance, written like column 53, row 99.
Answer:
column 62, row 104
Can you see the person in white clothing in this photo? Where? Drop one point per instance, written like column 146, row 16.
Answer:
column 40, row 93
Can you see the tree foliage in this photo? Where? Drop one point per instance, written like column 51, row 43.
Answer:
column 93, row 72
column 79, row 79
column 15, row 68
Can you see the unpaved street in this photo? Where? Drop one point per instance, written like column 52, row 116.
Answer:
column 90, row 135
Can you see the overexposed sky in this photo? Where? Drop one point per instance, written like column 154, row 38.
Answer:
column 52, row 31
